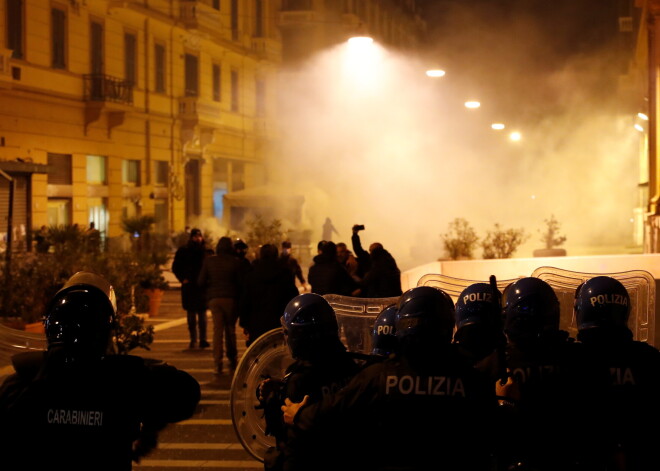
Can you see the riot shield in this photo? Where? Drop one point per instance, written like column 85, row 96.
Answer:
column 455, row 286
column 356, row 317
column 13, row 341
column 268, row 356
column 640, row 285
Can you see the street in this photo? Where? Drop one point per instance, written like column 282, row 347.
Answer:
column 207, row 440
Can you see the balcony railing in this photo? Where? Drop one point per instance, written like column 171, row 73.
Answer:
column 100, row 87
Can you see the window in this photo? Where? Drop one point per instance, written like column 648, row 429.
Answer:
column 96, row 170
column 60, row 169
column 130, row 58
column 216, row 82
column 259, row 18
column 130, row 172
column 260, row 90
column 15, row 27
column 216, row 4
column 160, row 172
column 234, row 90
column 58, row 38
column 234, row 20
column 159, row 63
column 191, row 78
column 96, row 47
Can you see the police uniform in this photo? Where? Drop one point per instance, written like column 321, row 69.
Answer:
column 553, row 386
column 628, row 424
column 318, row 379
column 410, row 413
column 80, row 415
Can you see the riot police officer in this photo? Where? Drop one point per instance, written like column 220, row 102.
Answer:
column 631, row 369
column 79, row 405
column 322, row 366
column 383, row 333
column 549, row 382
column 425, row 407
column 479, row 333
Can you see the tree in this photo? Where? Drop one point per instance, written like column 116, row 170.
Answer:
column 461, row 239
column 261, row 232
column 550, row 237
column 502, row 243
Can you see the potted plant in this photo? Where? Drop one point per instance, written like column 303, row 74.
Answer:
column 552, row 240
column 154, row 284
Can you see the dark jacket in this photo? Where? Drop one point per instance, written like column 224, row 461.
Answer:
column 317, row 379
column 186, row 266
column 383, row 280
column 220, row 276
column 328, row 276
column 87, row 416
column 401, row 401
column 268, row 288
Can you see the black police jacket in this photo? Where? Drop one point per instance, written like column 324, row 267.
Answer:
column 75, row 416
column 409, row 414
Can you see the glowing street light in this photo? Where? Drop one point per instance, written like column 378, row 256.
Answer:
column 472, row 104
column 515, row 136
column 497, row 126
column 435, row 73
column 642, row 116
column 639, row 127
column 360, row 41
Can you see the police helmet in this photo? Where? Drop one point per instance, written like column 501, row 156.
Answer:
column 479, row 303
column 310, row 326
column 425, row 311
column 531, row 308
column 602, row 301
column 81, row 315
column 383, row 334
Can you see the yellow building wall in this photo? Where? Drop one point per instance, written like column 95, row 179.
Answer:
column 45, row 111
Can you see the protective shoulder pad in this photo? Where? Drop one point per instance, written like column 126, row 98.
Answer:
column 28, row 364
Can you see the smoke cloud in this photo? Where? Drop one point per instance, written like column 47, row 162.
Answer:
column 370, row 139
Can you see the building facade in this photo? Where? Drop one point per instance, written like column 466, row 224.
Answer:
column 119, row 108
column 112, row 109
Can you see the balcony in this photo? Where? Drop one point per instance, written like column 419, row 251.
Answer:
column 103, row 93
column 267, row 49
column 99, row 87
column 196, row 14
column 194, row 110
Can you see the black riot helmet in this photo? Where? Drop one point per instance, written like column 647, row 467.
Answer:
column 311, row 327
column 531, row 309
column 602, row 302
column 80, row 317
column 479, row 319
column 425, row 314
column 383, row 333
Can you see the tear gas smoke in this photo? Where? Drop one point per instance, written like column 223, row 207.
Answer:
column 372, row 140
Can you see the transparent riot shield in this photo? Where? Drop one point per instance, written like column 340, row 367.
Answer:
column 13, row 341
column 455, row 286
column 268, row 356
column 356, row 317
column 640, row 285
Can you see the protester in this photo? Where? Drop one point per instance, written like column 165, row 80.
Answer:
column 220, row 278
column 291, row 263
column 379, row 274
column 186, row 266
column 76, row 406
column 268, row 289
column 327, row 276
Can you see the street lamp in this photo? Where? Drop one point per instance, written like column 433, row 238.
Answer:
column 497, row 126
column 435, row 73
column 515, row 136
column 472, row 104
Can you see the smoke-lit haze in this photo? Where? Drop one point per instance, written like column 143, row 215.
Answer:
column 372, row 140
